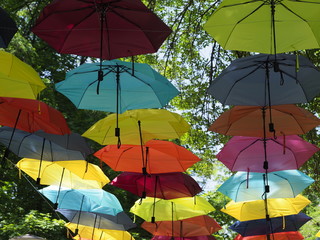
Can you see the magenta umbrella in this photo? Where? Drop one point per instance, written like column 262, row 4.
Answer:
column 284, row 153
column 165, row 185
column 209, row 237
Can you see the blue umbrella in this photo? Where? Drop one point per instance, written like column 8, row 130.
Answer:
column 247, row 186
column 275, row 225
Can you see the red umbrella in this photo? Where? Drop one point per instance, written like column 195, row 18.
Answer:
column 165, row 185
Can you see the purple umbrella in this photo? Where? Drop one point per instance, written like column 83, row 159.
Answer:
column 247, row 153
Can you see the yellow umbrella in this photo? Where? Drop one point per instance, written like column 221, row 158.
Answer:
column 277, row 207
column 151, row 123
column 85, row 232
column 318, row 234
column 156, row 209
column 17, row 78
column 77, row 174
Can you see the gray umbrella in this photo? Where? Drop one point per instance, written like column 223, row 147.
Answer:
column 287, row 79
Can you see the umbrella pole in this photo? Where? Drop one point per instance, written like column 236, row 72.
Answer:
column 77, row 229
column 271, row 125
column 100, row 72
column 38, row 178
column 117, row 129
column 144, row 167
column 94, row 226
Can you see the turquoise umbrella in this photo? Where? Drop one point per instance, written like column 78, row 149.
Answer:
column 247, row 186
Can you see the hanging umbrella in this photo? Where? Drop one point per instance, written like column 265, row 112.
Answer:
column 247, row 153
column 161, row 157
column 102, row 221
column 17, row 78
column 251, row 210
column 70, row 174
column 27, row 237
column 274, row 225
column 246, row 186
column 138, row 126
column 209, row 237
column 8, row 28
column 266, row 26
column 164, row 186
column 275, row 236
column 248, row 121
column 190, row 227
column 155, row 209
column 252, row 80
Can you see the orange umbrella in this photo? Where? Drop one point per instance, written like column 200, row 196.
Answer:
column 190, row 227
column 274, row 236
column 248, row 121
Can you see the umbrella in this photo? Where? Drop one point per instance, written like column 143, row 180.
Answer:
column 18, row 79
column 165, row 185
column 253, row 80
column 274, row 225
column 27, row 237
column 88, row 200
column 209, row 237
column 266, row 26
column 248, row 121
column 318, row 234
column 8, row 28
column 275, row 236
column 161, row 157
column 138, row 127
column 277, row 207
column 155, row 209
column 103, row 29
column 70, row 174
column 247, row 153
column 246, row 186
column 102, row 221
column 190, row 227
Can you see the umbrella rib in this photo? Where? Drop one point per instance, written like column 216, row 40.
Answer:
column 286, row 180
column 296, row 162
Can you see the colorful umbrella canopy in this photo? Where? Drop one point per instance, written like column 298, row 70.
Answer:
column 31, row 115
column 69, row 174
column 86, row 232
column 252, row 80
column 209, row 237
column 284, row 152
column 246, row 186
column 161, row 157
column 102, row 221
column 266, row 26
column 275, row 225
column 190, row 227
column 150, row 123
column 277, row 207
column 155, row 209
column 18, row 79
column 88, row 200
column 248, row 121
column 165, row 185
column 275, row 236
column 104, row 29
column 8, row 28
column 125, row 86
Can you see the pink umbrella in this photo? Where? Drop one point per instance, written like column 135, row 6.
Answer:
column 209, row 237
column 165, row 185
column 247, row 153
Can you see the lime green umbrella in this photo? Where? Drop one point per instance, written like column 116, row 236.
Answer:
column 273, row 26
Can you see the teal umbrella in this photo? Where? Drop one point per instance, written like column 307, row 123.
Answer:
column 247, row 186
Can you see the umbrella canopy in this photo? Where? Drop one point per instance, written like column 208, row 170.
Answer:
column 126, row 85
column 88, row 200
column 284, row 152
column 277, row 207
column 209, row 237
column 190, row 227
column 18, row 79
column 31, row 115
column 275, row 225
column 151, row 123
column 248, row 121
column 165, row 185
column 86, row 232
column 162, row 157
column 70, row 174
column 246, row 186
column 102, row 221
column 8, row 28
column 252, row 80
column 275, row 236
column 171, row 210
column 104, row 28
column 266, row 26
